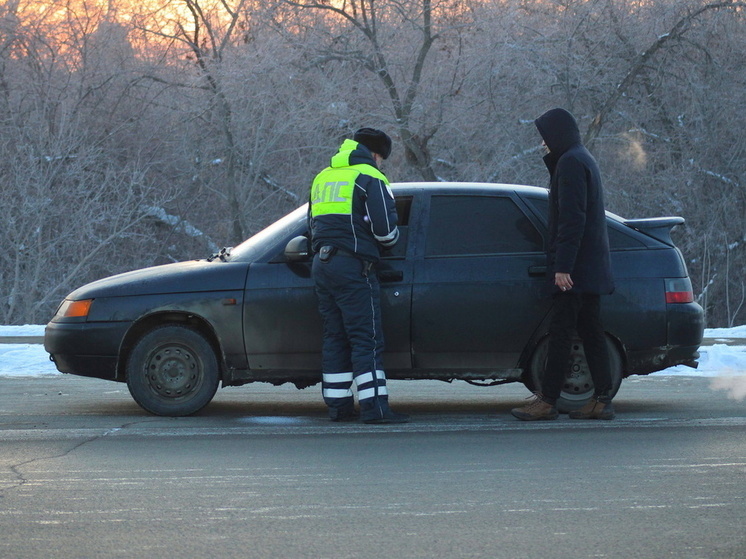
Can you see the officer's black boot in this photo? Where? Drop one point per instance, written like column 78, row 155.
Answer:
column 345, row 412
column 377, row 410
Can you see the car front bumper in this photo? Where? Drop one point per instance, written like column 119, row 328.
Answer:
column 88, row 349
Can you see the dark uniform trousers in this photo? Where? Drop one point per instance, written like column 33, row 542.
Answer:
column 581, row 313
column 350, row 307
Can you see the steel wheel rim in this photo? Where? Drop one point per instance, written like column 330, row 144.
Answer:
column 578, row 384
column 173, row 371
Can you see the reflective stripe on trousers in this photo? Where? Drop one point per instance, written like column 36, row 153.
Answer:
column 338, row 386
column 349, row 304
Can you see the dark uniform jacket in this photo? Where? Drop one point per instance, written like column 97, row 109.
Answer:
column 578, row 235
column 351, row 205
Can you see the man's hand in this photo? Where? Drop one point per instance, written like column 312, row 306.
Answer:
column 563, row 281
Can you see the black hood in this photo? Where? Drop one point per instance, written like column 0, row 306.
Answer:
column 559, row 130
column 178, row 277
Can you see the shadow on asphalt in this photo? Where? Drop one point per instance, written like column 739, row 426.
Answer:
column 237, row 409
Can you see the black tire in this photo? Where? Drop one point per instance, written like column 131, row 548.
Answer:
column 173, row 371
column 578, row 386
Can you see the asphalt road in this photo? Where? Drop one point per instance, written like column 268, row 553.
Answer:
column 260, row 473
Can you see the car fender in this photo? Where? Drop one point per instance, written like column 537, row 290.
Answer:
column 542, row 332
column 217, row 315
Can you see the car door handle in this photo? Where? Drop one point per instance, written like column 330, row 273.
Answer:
column 537, row 271
column 390, row 275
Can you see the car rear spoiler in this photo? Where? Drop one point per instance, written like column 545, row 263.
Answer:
column 656, row 227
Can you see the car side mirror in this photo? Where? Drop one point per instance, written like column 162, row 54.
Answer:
column 298, row 249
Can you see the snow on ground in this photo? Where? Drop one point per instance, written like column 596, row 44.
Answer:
column 24, row 359
column 25, row 330
column 725, row 364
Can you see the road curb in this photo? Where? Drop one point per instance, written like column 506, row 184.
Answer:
column 21, row 339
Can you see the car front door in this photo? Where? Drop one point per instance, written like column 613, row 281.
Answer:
column 282, row 325
column 477, row 297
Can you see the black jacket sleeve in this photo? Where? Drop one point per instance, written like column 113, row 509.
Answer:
column 380, row 209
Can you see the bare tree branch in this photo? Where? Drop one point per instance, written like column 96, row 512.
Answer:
column 640, row 62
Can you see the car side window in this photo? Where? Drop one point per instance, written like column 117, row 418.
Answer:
column 466, row 225
column 399, row 250
column 619, row 239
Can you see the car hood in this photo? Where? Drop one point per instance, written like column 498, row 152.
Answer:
column 181, row 277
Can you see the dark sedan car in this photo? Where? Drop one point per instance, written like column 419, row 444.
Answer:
column 463, row 294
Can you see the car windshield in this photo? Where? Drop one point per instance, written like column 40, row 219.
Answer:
column 252, row 247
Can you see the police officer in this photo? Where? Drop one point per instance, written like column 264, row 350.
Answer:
column 352, row 215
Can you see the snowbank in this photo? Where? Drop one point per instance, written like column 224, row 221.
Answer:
column 25, row 330
column 25, row 360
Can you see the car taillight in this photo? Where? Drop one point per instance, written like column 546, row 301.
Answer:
column 679, row 290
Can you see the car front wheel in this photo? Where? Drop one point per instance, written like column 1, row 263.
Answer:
column 578, row 385
column 172, row 371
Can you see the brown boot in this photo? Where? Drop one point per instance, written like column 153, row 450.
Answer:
column 593, row 409
column 536, row 409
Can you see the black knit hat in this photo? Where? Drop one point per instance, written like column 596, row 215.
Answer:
column 375, row 140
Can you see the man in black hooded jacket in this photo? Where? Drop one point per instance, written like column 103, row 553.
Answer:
column 579, row 269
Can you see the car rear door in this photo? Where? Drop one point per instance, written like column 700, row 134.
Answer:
column 477, row 296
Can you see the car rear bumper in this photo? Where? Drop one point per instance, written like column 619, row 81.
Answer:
column 88, row 349
column 656, row 359
column 685, row 328
column 686, row 324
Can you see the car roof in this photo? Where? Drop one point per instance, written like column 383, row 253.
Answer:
column 477, row 188
column 466, row 188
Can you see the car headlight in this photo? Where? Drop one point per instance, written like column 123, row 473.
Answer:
column 73, row 309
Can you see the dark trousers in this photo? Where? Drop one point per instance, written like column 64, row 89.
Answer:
column 350, row 305
column 576, row 312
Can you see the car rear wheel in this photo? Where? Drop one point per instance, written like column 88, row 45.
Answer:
column 172, row 371
column 578, row 385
